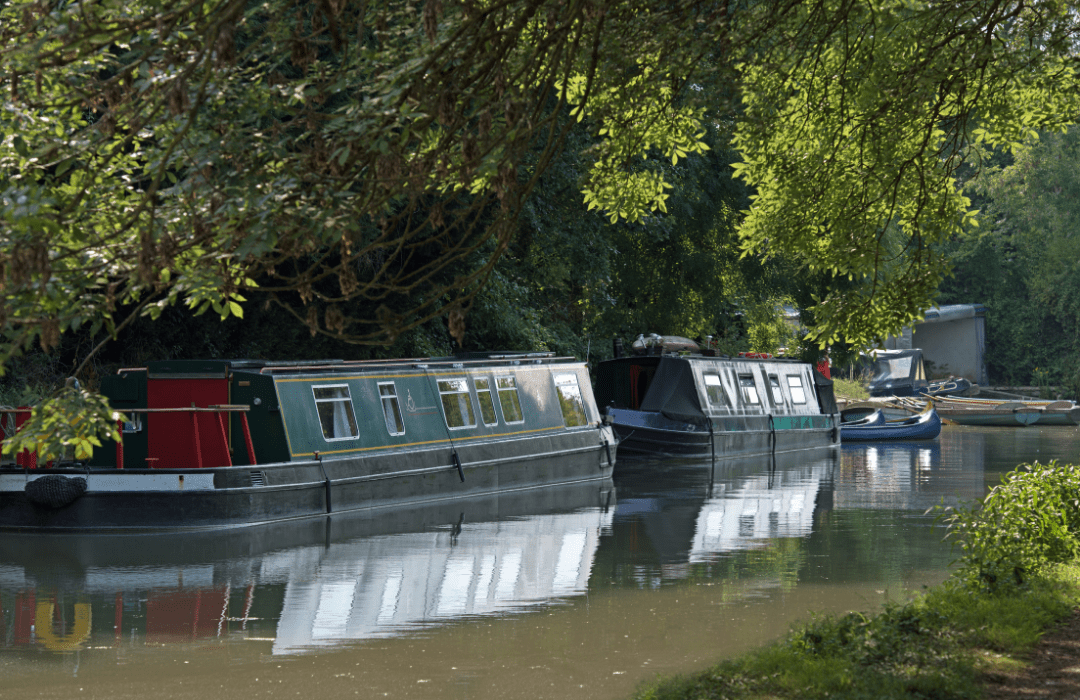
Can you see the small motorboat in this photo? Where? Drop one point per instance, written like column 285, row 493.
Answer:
column 903, row 373
column 924, row 426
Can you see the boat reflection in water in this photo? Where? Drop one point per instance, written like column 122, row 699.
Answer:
column 728, row 531
column 756, row 510
column 381, row 586
column 305, row 584
column 793, row 520
column 904, row 476
column 692, row 513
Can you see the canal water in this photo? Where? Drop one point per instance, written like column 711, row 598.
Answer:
column 571, row 592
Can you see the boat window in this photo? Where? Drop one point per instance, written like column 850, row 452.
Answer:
column 487, row 404
column 457, row 406
column 777, row 394
column 335, row 412
column 749, row 389
column 795, row 385
column 573, row 410
column 891, row 368
column 715, row 390
column 391, row 409
column 508, row 400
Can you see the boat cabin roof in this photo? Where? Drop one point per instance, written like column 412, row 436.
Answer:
column 194, row 369
column 688, row 387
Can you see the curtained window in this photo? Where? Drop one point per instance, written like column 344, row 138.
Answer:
column 335, row 412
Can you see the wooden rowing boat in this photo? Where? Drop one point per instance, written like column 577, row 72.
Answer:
column 968, row 411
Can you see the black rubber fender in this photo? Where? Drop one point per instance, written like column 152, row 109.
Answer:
column 54, row 490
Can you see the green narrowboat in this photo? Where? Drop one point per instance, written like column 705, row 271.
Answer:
column 685, row 401
column 223, row 443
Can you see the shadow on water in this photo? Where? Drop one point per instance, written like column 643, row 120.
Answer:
column 318, row 581
column 767, row 523
column 582, row 590
column 838, row 515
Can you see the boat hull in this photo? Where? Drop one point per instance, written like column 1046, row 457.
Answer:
column 1006, row 418
column 923, row 427
column 1060, row 417
column 991, row 412
column 136, row 549
column 649, row 433
column 161, row 499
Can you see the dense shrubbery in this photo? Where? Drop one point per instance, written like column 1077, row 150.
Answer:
column 1028, row 521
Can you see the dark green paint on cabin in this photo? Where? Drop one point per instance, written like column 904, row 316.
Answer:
column 297, row 410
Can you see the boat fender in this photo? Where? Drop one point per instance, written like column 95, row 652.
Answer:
column 457, row 463
column 712, row 442
column 607, row 451
column 327, row 486
column 772, row 434
column 54, row 490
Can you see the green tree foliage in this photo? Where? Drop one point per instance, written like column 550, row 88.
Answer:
column 859, row 116
column 572, row 279
column 1023, row 263
column 681, row 273
column 66, row 426
column 365, row 164
column 158, row 153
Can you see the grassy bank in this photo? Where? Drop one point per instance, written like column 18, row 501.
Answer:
column 850, row 390
column 1018, row 574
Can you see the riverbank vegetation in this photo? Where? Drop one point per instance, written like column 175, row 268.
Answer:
column 1017, row 574
column 850, row 389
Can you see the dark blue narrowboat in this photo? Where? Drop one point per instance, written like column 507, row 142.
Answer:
column 224, row 443
column 689, row 402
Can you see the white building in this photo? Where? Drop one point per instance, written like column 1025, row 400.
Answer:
column 952, row 338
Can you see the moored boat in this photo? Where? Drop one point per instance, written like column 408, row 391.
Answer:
column 223, row 443
column 688, row 402
column 971, row 411
column 897, row 373
column 1010, row 414
column 903, row 373
column 953, row 386
column 924, row 426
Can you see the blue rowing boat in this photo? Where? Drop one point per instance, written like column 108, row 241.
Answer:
column 924, row 426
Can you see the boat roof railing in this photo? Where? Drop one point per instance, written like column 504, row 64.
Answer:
column 470, row 359
column 181, row 367
column 705, row 356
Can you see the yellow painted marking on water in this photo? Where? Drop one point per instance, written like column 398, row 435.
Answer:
column 43, row 627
